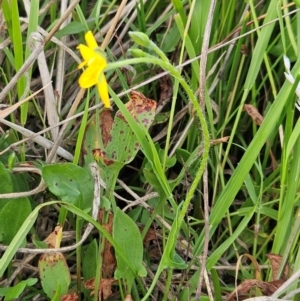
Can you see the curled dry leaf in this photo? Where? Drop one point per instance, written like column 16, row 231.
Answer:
column 69, row 297
column 275, row 261
column 219, row 141
column 245, row 288
column 267, row 288
column 105, row 286
column 253, row 113
column 109, row 261
column 89, row 284
column 106, row 122
column 53, row 240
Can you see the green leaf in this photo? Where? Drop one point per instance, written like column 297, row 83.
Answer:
column 71, row 183
column 19, row 237
column 71, row 28
column 90, row 261
column 15, row 291
column 12, row 216
column 161, row 117
column 124, row 144
column 170, row 258
column 127, row 235
column 6, row 184
column 170, row 39
column 54, row 271
column 39, row 244
column 152, row 179
column 58, row 294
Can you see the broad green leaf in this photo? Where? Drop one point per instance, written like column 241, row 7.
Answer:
column 54, row 271
column 123, row 145
column 12, row 216
column 89, row 261
column 119, row 144
column 71, row 28
column 6, row 185
column 15, row 291
column 127, row 235
column 13, row 212
column 71, row 183
column 169, row 40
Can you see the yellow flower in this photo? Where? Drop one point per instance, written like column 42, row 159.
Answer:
column 95, row 61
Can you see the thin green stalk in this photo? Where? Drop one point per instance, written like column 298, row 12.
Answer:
column 266, row 59
column 169, row 252
column 78, row 254
column 168, row 284
column 83, row 125
column 289, row 29
column 99, row 268
column 238, row 115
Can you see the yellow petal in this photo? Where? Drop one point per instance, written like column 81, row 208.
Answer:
column 103, row 90
column 90, row 40
column 100, row 61
column 89, row 77
column 86, row 52
column 82, row 64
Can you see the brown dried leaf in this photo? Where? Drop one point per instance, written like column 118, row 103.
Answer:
column 268, row 288
column 137, row 105
column 69, row 297
column 275, row 261
column 243, row 289
column 54, row 238
column 109, row 259
column 166, row 88
column 106, row 122
column 89, row 284
column 253, row 113
column 105, row 289
column 220, row 140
